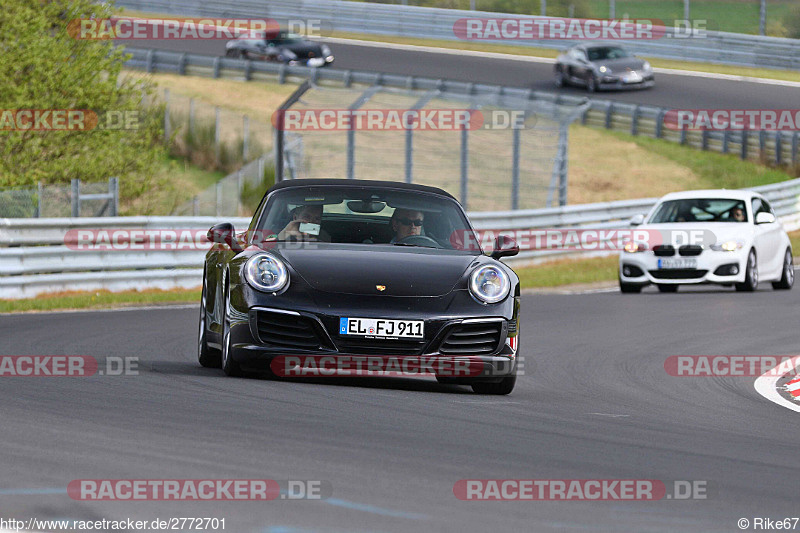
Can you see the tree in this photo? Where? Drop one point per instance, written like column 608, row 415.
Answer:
column 43, row 67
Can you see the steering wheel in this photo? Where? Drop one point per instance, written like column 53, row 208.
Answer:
column 420, row 240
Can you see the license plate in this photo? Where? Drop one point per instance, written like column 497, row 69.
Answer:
column 677, row 263
column 382, row 328
column 632, row 78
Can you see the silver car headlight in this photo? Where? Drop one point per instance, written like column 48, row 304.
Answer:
column 266, row 273
column 489, row 284
column 605, row 70
column 326, row 51
column 646, row 67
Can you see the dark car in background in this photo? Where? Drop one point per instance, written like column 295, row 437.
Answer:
column 281, row 46
column 348, row 282
column 602, row 66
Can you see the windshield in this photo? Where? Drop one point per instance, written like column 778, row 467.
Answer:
column 364, row 215
column 607, row 52
column 700, row 210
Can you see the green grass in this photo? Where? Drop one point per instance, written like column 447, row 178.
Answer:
column 568, row 271
column 732, row 16
column 718, row 171
column 99, row 300
column 794, row 237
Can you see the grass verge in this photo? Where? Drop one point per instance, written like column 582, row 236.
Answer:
column 99, row 300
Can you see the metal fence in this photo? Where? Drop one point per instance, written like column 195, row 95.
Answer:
column 437, row 23
column 43, row 255
column 79, row 199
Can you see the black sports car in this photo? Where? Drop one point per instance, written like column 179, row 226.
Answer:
column 341, row 268
column 280, row 46
column 602, row 66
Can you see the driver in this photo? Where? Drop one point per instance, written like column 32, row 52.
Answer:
column 738, row 214
column 406, row 223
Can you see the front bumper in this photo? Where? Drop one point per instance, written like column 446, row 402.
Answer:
column 260, row 334
column 618, row 83
column 643, row 268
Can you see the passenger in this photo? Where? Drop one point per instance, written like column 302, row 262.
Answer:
column 305, row 214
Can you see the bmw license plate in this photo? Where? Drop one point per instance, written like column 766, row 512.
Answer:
column 382, row 328
column 677, row 263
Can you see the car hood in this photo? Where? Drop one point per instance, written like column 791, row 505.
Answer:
column 712, row 232
column 618, row 66
column 362, row 270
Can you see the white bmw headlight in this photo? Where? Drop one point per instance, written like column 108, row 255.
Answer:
column 727, row 246
column 489, row 284
column 266, row 273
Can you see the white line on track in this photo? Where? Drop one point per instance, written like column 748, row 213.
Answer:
column 766, row 386
column 533, row 59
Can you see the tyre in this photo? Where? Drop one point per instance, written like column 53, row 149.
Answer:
column 505, row 386
column 751, row 275
column 629, row 288
column 591, row 84
column 787, row 278
column 207, row 356
column 667, row 288
column 561, row 78
column 229, row 366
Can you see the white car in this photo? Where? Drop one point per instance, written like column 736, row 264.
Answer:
column 714, row 236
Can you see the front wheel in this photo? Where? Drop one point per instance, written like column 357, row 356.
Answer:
column 751, row 275
column 505, row 386
column 208, row 357
column 591, row 84
column 229, row 366
column 561, row 78
column 787, row 278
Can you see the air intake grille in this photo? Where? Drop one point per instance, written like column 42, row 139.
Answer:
column 288, row 331
column 480, row 338
column 690, row 250
column 678, row 273
column 664, row 250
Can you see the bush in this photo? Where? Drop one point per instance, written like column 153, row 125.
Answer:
column 791, row 21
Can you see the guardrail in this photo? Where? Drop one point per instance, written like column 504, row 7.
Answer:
column 40, row 255
column 780, row 147
column 437, row 23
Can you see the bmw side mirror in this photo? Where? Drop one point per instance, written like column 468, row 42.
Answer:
column 637, row 220
column 765, row 218
column 504, row 246
column 224, row 234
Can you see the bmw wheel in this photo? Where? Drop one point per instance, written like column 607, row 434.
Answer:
column 787, row 279
column 751, row 274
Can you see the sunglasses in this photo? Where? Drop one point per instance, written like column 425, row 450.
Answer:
column 408, row 221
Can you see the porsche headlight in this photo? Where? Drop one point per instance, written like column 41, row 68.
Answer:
column 266, row 273
column 605, row 70
column 326, row 51
column 727, row 246
column 489, row 284
column 646, row 67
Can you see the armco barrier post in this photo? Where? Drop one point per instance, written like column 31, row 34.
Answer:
column 75, row 198
column 113, row 190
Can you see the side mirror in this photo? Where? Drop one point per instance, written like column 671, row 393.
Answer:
column 765, row 218
column 504, row 246
column 637, row 220
column 224, row 234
